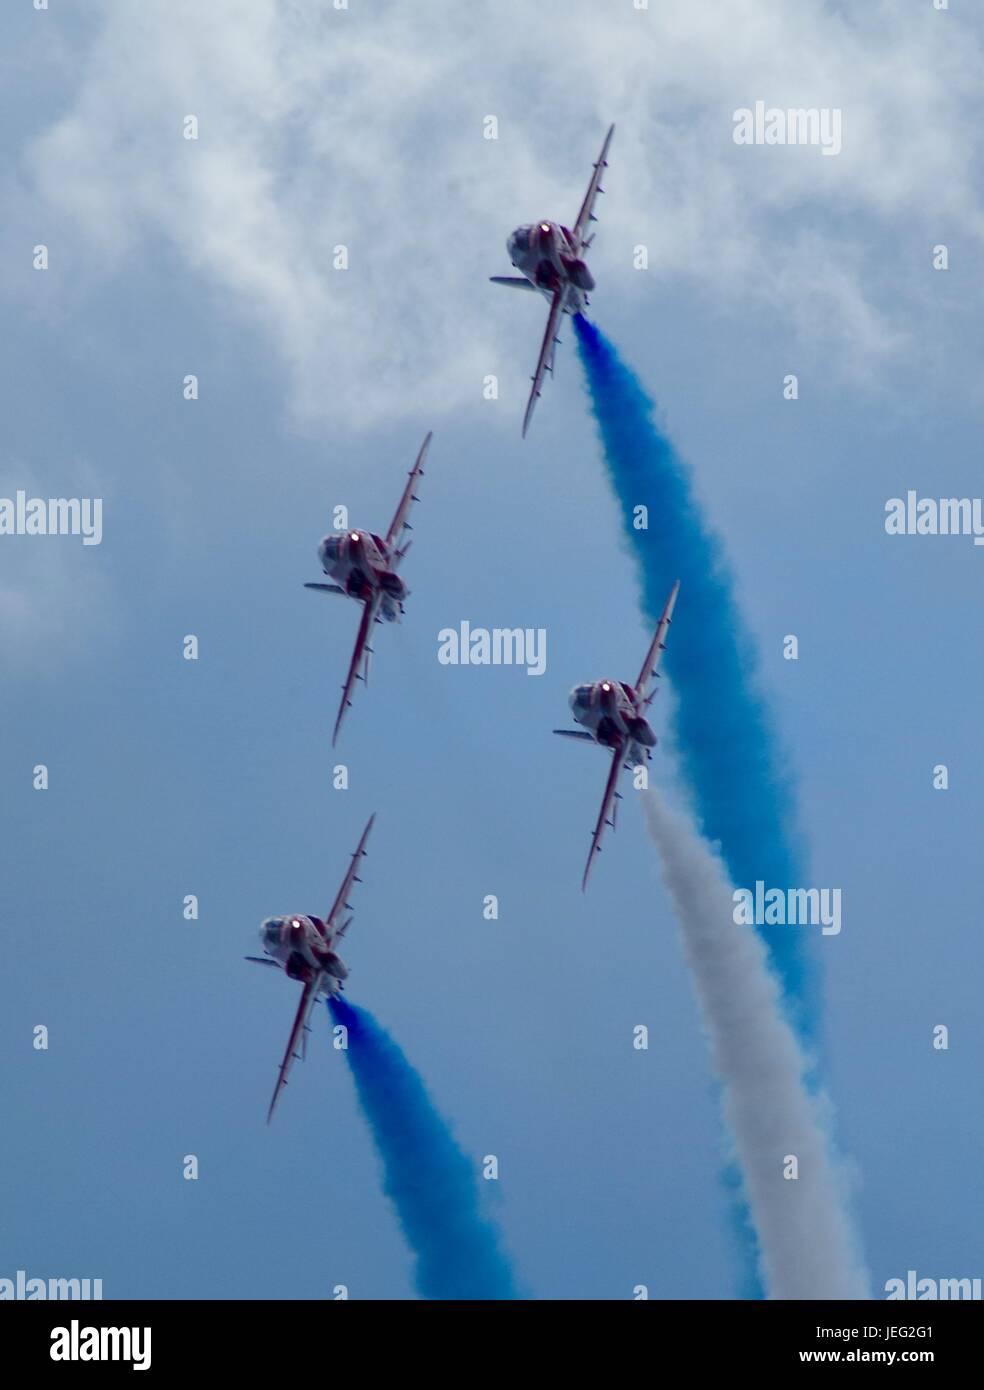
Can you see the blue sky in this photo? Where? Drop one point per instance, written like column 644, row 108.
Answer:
column 214, row 778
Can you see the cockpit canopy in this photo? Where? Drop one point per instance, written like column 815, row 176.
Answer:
column 519, row 243
column 270, row 931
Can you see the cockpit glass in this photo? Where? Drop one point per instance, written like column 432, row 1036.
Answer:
column 271, row 930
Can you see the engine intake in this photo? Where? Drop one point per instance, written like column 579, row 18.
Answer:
column 641, row 732
column 579, row 273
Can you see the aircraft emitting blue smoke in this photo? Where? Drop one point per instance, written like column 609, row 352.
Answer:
column 430, row 1182
column 721, row 728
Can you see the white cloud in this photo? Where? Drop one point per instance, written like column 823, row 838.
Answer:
column 364, row 127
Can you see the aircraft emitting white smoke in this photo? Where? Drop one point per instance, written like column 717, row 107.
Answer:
column 614, row 715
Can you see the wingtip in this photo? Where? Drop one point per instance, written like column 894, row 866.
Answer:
column 587, row 869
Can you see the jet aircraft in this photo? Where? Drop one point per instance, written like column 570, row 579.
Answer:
column 304, row 947
column 614, row 715
column 365, row 567
column 551, row 258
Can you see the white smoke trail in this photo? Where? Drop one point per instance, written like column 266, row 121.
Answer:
column 808, row 1247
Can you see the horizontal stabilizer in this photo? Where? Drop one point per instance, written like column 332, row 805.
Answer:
column 515, row 282
column 262, row 960
column 326, row 588
column 574, row 733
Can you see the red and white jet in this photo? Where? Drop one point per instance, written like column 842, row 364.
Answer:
column 551, row 258
column 615, row 715
column 304, row 947
column 364, row 566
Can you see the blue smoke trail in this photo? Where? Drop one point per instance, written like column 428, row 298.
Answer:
column 721, row 728
column 428, row 1179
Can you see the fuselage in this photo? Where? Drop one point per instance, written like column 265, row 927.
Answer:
column 610, row 711
column 302, row 946
column 545, row 253
column 360, row 562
